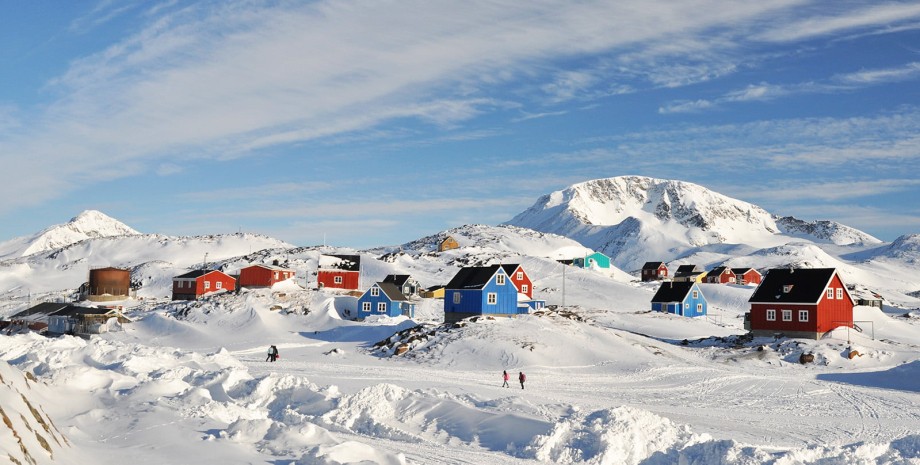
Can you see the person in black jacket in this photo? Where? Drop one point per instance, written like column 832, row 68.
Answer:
column 272, row 354
column 522, row 377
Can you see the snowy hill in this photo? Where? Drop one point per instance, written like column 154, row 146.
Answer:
column 87, row 225
column 608, row 380
column 636, row 219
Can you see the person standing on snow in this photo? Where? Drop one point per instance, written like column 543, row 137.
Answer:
column 505, row 377
column 522, row 377
column 272, row 354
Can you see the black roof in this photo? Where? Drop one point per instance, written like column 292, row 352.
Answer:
column 652, row 265
column 742, row 270
column 344, row 262
column 718, row 270
column 689, row 269
column 193, row 274
column 42, row 309
column 510, row 268
column 808, row 285
column 672, row 292
column 472, row 277
column 392, row 292
column 397, row 279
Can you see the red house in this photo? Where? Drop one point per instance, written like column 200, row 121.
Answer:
column 339, row 272
column 195, row 284
column 721, row 275
column 654, row 271
column 520, row 279
column 264, row 275
column 804, row 303
column 747, row 276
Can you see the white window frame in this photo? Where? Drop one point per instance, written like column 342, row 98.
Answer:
column 180, row 284
column 520, row 275
column 771, row 314
column 500, row 279
column 219, row 285
column 276, row 275
column 803, row 316
column 337, row 280
column 375, row 292
column 696, row 294
column 524, row 288
column 830, row 293
column 840, row 293
column 457, row 297
column 207, row 285
column 492, row 298
column 381, row 307
column 699, row 308
column 687, row 306
column 787, row 315
column 366, row 307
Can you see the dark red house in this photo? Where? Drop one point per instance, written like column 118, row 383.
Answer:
column 720, row 275
column 654, row 271
column 747, row 276
column 339, row 272
column 195, row 284
column 520, row 279
column 804, row 303
column 264, row 275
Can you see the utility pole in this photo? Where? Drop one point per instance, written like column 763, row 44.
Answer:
column 204, row 265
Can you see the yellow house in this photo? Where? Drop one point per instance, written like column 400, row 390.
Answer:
column 447, row 244
column 436, row 292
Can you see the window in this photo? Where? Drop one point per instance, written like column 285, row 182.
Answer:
column 803, row 315
column 500, row 280
column 276, row 275
column 699, row 308
column 381, row 307
column 181, row 284
column 207, row 285
column 375, row 291
column 456, row 297
column 520, row 275
column 687, row 306
column 771, row 314
column 219, row 285
column 840, row 293
column 696, row 294
column 338, row 280
column 366, row 307
column 830, row 293
column 525, row 288
column 787, row 315
column 492, row 298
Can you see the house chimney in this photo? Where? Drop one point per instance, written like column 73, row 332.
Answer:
column 275, row 262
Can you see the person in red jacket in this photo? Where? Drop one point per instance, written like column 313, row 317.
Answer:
column 505, row 377
column 522, row 377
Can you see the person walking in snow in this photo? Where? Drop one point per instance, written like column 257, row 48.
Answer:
column 505, row 377
column 522, row 377
column 272, row 354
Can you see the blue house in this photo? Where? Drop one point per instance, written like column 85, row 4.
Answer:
column 384, row 299
column 680, row 298
column 480, row 290
column 595, row 260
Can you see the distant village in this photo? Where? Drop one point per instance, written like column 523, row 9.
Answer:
column 801, row 303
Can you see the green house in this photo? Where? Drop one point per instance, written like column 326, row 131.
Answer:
column 595, row 260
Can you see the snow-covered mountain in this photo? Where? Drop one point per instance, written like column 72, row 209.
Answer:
column 636, row 219
column 87, row 225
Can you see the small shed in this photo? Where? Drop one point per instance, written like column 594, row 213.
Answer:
column 448, row 243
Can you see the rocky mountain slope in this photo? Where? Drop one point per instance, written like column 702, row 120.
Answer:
column 87, row 225
column 636, row 219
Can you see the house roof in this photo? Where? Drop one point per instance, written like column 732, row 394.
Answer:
column 473, row 277
column 687, row 269
column 269, row 267
column 340, row 262
column 652, row 265
column 42, row 309
column 397, row 279
column 510, row 269
column 392, row 292
column 672, row 292
column 807, row 285
column 196, row 274
column 718, row 270
column 742, row 270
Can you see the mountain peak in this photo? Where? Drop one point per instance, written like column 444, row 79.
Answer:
column 87, row 225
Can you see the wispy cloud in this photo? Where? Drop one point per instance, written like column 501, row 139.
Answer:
column 874, row 16
column 878, row 76
column 685, row 106
column 835, row 191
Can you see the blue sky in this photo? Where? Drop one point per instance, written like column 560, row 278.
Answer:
column 375, row 123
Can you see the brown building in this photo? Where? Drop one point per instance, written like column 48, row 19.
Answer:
column 108, row 284
column 448, row 243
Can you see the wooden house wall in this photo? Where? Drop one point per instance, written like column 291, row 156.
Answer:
column 326, row 278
